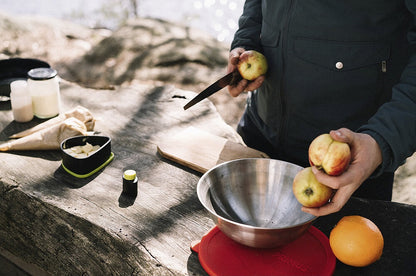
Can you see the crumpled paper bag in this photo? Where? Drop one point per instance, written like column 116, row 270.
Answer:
column 79, row 112
column 48, row 138
column 50, row 134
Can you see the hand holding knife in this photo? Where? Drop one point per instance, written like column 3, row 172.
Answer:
column 251, row 66
column 229, row 79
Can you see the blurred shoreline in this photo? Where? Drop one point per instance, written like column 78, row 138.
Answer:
column 218, row 18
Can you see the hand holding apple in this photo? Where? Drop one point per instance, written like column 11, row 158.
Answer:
column 308, row 191
column 365, row 158
column 332, row 156
column 244, row 84
column 252, row 65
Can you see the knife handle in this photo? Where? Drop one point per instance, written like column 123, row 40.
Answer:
column 236, row 78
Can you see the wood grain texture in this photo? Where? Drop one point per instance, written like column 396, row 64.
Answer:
column 63, row 225
column 69, row 226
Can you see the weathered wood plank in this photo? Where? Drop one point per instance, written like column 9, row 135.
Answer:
column 69, row 226
column 63, row 244
column 78, row 223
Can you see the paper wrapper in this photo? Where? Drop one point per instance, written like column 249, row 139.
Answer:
column 81, row 113
column 48, row 138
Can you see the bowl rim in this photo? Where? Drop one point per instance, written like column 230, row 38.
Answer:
column 213, row 213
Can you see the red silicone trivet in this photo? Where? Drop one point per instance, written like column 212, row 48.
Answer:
column 308, row 255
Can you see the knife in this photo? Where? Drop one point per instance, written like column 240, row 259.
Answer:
column 231, row 78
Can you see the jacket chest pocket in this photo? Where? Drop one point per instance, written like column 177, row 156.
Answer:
column 335, row 83
column 342, row 56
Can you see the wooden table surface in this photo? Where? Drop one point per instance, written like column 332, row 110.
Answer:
column 53, row 223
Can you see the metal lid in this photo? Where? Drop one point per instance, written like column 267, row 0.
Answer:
column 42, row 73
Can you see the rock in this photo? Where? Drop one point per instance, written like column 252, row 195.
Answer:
column 143, row 50
column 151, row 49
column 54, row 41
column 156, row 51
column 404, row 190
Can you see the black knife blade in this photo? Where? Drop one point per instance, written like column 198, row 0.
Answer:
column 230, row 78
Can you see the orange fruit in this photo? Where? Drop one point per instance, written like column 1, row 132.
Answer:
column 356, row 241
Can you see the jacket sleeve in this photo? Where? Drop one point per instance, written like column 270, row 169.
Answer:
column 248, row 34
column 394, row 124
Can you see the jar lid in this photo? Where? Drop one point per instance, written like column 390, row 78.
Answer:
column 129, row 174
column 42, row 73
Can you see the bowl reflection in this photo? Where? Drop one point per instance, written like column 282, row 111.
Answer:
column 252, row 202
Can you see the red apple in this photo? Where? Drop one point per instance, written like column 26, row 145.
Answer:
column 308, row 191
column 252, row 65
column 333, row 157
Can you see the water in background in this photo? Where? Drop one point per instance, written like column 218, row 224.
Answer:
column 217, row 17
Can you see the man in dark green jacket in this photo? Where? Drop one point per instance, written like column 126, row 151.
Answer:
column 346, row 67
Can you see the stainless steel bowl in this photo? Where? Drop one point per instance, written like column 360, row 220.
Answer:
column 251, row 201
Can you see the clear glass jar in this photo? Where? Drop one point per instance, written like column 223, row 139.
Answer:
column 43, row 85
column 21, row 101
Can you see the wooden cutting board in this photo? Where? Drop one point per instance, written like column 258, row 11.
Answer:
column 201, row 151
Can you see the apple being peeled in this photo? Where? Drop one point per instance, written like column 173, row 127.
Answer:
column 252, row 65
column 329, row 155
column 308, row 191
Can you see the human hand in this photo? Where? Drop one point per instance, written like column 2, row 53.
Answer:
column 243, row 85
column 365, row 158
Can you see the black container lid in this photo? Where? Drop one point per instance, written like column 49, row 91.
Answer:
column 42, row 73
